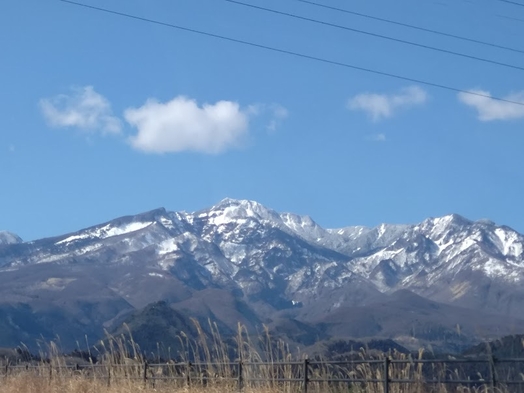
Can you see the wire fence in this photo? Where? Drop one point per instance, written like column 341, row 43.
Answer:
column 382, row 375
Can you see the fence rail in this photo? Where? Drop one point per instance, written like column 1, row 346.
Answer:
column 490, row 373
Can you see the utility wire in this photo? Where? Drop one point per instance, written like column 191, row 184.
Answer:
column 512, row 2
column 449, row 52
column 510, row 18
column 296, row 54
column 442, row 33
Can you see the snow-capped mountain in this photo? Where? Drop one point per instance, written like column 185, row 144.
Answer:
column 9, row 238
column 272, row 263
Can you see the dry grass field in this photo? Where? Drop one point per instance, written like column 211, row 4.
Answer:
column 268, row 366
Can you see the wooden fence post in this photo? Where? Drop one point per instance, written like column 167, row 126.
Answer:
column 386, row 375
column 188, row 376
column 306, row 375
column 240, row 376
column 492, row 372
column 145, row 373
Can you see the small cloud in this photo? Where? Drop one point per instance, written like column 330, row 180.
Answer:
column 84, row 108
column 277, row 114
column 378, row 138
column 489, row 109
column 255, row 109
column 382, row 106
column 12, row 148
column 182, row 125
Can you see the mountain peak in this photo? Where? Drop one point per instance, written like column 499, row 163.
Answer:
column 9, row 238
column 242, row 208
column 232, row 202
column 450, row 220
column 455, row 219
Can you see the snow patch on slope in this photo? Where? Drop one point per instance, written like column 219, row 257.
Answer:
column 107, row 231
column 510, row 245
column 168, row 246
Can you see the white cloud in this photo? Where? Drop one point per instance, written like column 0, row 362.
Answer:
column 84, row 108
column 489, row 109
column 12, row 148
column 381, row 106
column 182, row 125
column 378, row 138
column 278, row 115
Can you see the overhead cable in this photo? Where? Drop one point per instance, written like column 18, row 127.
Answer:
column 292, row 53
column 512, row 2
column 442, row 33
column 381, row 36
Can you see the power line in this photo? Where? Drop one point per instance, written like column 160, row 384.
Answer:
column 458, row 37
column 449, row 52
column 291, row 53
column 512, row 2
column 510, row 18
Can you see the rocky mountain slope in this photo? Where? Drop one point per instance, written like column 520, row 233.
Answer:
column 241, row 261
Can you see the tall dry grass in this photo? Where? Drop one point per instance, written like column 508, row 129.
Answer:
column 208, row 363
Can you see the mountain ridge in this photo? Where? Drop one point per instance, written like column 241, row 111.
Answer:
column 271, row 264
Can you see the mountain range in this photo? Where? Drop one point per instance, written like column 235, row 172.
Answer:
column 446, row 282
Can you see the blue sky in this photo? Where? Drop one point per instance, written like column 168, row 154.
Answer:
column 104, row 116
